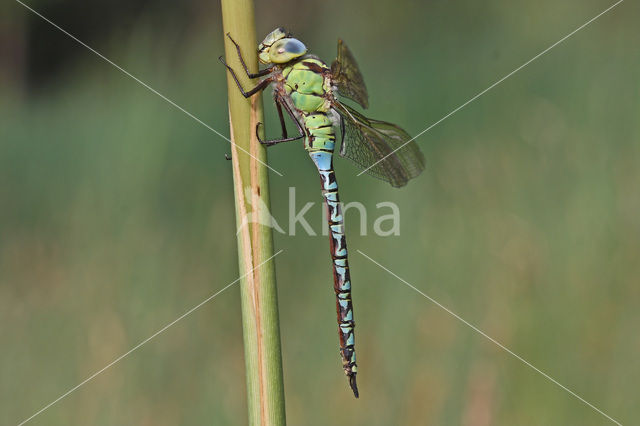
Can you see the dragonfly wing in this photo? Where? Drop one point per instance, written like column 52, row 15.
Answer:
column 383, row 149
column 347, row 78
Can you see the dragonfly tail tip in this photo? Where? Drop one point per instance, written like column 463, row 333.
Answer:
column 354, row 386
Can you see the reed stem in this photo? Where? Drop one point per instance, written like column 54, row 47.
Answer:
column 261, row 332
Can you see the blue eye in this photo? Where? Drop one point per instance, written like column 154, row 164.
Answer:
column 295, row 46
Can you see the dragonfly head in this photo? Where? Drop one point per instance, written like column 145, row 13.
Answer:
column 278, row 47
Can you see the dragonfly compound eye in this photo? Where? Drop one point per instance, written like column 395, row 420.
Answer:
column 295, row 46
column 286, row 49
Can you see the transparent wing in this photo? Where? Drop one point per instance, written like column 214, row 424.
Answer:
column 371, row 144
column 347, row 78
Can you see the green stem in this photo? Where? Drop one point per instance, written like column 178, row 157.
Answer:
column 261, row 330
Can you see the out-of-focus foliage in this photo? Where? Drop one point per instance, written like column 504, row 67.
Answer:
column 116, row 217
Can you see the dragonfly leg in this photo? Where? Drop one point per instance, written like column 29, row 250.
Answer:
column 275, row 141
column 280, row 104
column 342, row 147
column 261, row 73
column 247, row 94
column 282, row 124
column 301, row 129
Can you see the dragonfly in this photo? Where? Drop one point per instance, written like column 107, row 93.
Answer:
column 310, row 93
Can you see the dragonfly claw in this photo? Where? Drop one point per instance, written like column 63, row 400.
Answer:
column 258, row 132
column 221, row 59
column 232, row 40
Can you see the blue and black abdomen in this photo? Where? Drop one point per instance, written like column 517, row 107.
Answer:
column 323, row 160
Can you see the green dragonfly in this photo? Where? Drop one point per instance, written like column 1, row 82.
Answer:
column 307, row 90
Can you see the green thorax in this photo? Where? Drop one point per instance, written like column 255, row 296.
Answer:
column 307, row 83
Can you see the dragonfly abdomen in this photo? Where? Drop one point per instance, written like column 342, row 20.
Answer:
column 323, row 159
column 322, row 136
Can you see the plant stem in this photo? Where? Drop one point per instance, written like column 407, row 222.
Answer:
column 263, row 359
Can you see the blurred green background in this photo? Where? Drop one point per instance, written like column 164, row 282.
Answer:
column 116, row 217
